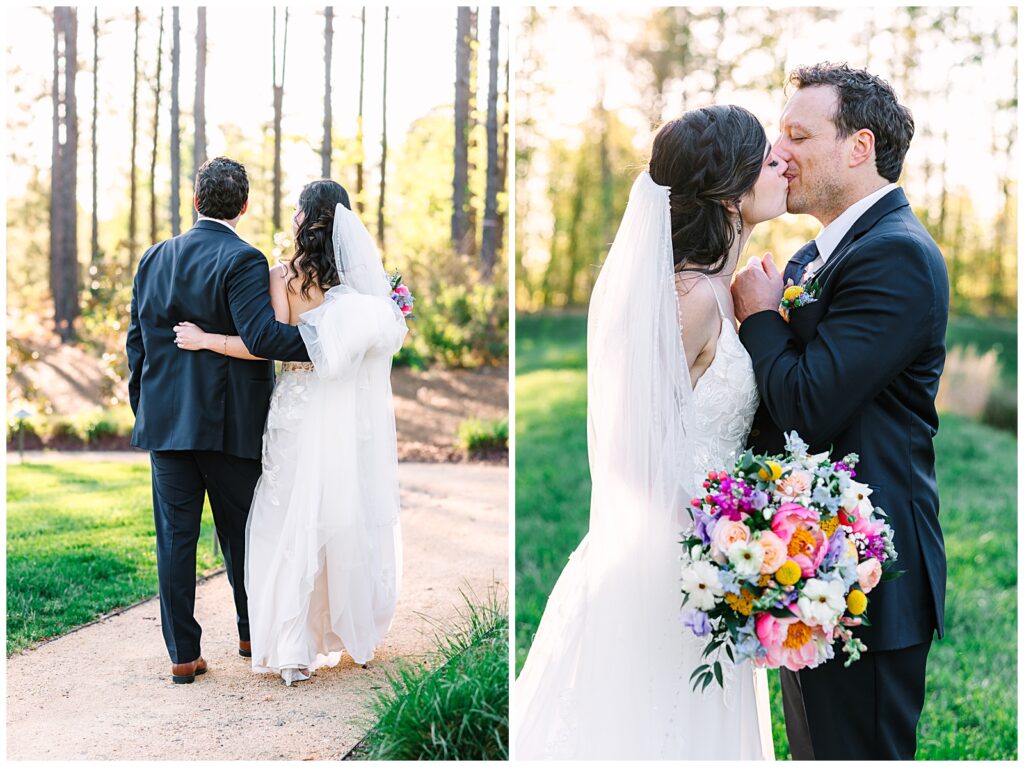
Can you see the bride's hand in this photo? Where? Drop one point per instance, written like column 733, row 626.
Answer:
column 189, row 337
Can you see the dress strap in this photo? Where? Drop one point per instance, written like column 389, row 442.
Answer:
column 714, row 292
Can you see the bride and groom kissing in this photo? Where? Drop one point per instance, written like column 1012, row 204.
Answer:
column 301, row 474
column 675, row 390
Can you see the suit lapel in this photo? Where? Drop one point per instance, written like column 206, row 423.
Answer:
column 893, row 201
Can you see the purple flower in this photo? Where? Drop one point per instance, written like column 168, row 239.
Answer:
column 841, row 466
column 702, row 524
column 836, row 547
column 758, row 500
column 787, row 598
column 696, row 621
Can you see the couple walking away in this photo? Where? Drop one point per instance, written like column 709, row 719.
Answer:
column 301, row 474
column 675, row 390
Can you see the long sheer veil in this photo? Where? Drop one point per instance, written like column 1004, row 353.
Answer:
column 592, row 684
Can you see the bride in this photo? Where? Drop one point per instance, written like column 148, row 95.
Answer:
column 671, row 394
column 323, row 547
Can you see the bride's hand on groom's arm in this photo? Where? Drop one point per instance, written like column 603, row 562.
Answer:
column 190, row 337
column 758, row 287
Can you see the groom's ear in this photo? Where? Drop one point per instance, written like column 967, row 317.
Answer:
column 245, row 206
column 863, row 147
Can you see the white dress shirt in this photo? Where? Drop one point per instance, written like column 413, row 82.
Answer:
column 830, row 236
column 218, row 220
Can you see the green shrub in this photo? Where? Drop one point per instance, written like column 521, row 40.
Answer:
column 478, row 436
column 457, row 710
column 31, row 428
column 65, row 432
column 463, row 326
column 1001, row 409
column 409, row 357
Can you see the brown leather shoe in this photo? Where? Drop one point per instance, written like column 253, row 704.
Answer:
column 245, row 649
column 186, row 673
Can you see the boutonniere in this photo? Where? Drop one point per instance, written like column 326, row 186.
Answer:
column 796, row 296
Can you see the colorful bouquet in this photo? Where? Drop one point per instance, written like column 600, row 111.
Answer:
column 796, row 296
column 780, row 557
column 401, row 295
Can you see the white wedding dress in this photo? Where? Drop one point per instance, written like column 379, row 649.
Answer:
column 608, row 673
column 323, row 544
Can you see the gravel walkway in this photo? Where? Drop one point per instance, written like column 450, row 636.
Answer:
column 104, row 691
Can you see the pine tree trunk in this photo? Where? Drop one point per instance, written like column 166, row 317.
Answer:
column 199, row 110
column 156, row 132
column 359, row 127
column 503, row 162
column 57, row 244
column 175, row 124
column 460, row 181
column 64, row 278
column 469, row 238
column 489, row 238
column 325, row 147
column 133, row 211
column 278, row 104
column 94, row 245
column 383, row 137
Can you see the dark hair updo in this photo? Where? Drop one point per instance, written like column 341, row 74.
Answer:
column 314, row 249
column 708, row 157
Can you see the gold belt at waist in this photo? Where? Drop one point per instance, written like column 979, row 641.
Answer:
column 288, row 367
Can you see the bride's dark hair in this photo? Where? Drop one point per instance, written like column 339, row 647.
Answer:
column 313, row 261
column 708, row 157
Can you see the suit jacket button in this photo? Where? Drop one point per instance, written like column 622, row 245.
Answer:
column 755, row 432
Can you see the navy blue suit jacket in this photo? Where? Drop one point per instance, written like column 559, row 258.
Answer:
column 857, row 372
column 202, row 400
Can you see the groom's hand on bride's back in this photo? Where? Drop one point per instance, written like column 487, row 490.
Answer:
column 757, row 288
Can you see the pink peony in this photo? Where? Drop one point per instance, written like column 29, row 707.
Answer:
column 807, row 547
column 402, row 291
column 774, row 552
column 727, row 532
column 790, row 642
column 869, row 573
column 791, row 516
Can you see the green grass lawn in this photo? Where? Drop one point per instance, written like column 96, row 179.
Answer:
column 80, row 542
column 971, row 708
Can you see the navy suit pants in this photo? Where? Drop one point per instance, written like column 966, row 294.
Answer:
column 181, row 481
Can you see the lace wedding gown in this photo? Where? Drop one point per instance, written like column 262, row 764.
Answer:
column 637, row 702
column 323, row 544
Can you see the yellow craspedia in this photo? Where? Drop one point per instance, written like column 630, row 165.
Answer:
column 856, row 602
column 789, row 573
column 793, row 292
column 772, row 473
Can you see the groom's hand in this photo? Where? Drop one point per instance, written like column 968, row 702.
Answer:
column 758, row 287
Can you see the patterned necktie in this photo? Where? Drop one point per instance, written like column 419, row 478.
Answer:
column 798, row 263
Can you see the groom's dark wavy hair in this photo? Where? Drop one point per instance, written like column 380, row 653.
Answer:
column 865, row 101
column 313, row 261
column 221, row 188
column 708, row 158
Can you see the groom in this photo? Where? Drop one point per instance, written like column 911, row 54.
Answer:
column 856, row 371
column 201, row 415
